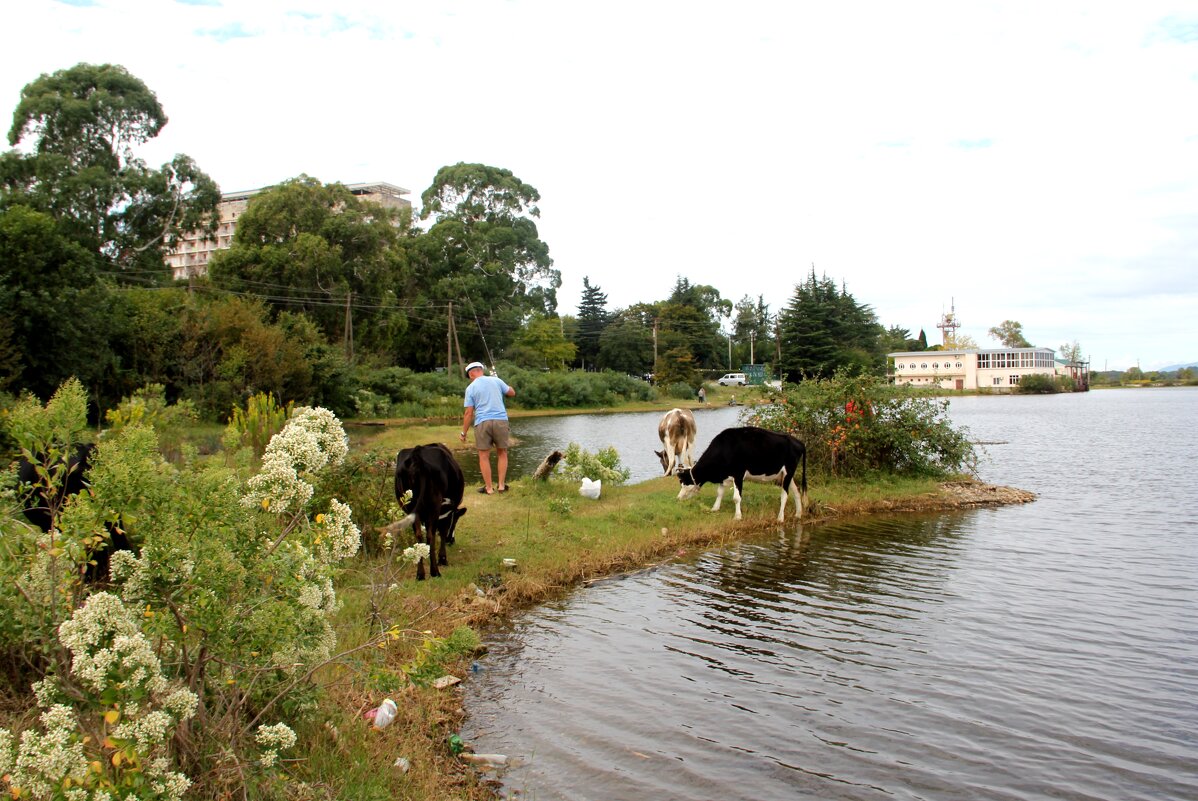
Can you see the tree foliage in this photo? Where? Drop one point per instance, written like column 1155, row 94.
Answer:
column 593, row 317
column 81, row 126
column 483, row 252
column 825, row 329
column 315, row 248
column 855, row 425
column 1010, row 334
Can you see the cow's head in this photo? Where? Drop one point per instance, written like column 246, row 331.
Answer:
column 665, row 461
column 689, row 488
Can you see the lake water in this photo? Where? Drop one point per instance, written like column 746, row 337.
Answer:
column 1041, row 651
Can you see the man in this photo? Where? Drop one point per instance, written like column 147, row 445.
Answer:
column 485, row 409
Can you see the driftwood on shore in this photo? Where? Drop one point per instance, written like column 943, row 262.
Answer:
column 546, row 467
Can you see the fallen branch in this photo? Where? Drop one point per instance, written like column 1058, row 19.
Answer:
column 547, row 465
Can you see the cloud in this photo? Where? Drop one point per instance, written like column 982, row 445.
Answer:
column 225, row 33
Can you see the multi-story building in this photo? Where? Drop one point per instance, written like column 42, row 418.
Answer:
column 190, row 257
column 999, row 369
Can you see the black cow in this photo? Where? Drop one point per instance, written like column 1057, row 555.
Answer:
column 750, row 453
column 436, row 482
column 41, row 506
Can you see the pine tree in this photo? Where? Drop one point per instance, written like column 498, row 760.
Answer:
column 592, row 319
column 825, row 329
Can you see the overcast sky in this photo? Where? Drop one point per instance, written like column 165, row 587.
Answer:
column 1029, row 161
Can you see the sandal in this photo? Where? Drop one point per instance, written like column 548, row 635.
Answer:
column 483, row 491
column 503, row 489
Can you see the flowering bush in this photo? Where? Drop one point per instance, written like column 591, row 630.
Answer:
column 855, row 425
column 231, row 583
column 604, row 465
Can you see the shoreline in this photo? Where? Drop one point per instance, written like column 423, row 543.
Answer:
column 561, row 542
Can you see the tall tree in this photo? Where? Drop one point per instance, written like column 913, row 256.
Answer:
column 626, row 344
column 57, row 308
column 1070, row 351
column 592, row 319
column 824, row 329
column 542, row 343
column 691, row 318
column 483, row 253
column 316, row 248
column 81, row 127
column 1010, row 334
column 752, row 330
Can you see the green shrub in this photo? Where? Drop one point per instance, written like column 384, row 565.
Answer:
column 228, row 601
column 255, row 425
column 604, row 465
column 1040, row 384
column 856, row 425
column 680, row 390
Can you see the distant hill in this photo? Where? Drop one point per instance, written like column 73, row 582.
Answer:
column 1171, row 368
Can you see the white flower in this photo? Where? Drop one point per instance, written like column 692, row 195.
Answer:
column 274, row 739
column 311, row 440
column 414, row 553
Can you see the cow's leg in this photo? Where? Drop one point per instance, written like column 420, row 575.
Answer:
column 787, row 485
column 419, row 538
column 737, row 485
column 719, row 493
column 443, row 526
column 671, row 455
column 433, row 556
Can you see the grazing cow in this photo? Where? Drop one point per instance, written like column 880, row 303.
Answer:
column 677, row 432
column 750, row 453
column 42, row 504
column 435, row 480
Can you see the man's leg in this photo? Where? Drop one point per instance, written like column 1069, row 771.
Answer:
column 501, row 463
column 484, row 467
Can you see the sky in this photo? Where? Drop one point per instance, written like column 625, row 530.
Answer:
column 1028, row 161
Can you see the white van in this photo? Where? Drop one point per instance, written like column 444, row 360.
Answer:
column 732, row 380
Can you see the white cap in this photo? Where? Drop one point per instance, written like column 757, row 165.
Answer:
column 472, row 365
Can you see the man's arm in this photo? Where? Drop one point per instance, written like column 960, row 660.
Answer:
column 511, row 392
column 467, row 419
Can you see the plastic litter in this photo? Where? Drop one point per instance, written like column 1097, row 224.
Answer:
column 509, row 563
column 445, row 681
column 403, row 764
column 590, row 489
column 455, row 744
column 383, row 714
column 493, row 761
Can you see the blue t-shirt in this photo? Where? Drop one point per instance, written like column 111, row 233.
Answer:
column 485, row 394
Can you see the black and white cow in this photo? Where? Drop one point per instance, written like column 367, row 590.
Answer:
column 750, row 453
column 436, row 482
column 677, row 433
column 42, row 503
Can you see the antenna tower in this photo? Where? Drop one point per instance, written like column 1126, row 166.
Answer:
column 948, row 324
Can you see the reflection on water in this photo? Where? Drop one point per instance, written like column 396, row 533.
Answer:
column 1039, row 651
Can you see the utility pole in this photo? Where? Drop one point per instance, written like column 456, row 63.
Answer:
column 730, row 353
column 654, row 344
column 349, row 328
column 449, row 341
column 752, row 335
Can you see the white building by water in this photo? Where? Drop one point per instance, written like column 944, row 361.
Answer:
column 969, row 368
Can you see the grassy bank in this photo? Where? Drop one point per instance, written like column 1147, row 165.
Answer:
column 557, row 540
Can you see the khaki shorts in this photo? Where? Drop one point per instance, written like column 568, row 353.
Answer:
column 491, row 434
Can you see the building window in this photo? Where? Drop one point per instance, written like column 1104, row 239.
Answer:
column 923, row 366
column 958, row 365
column 935, row 365
column 1013, row 380
column 997, row 380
